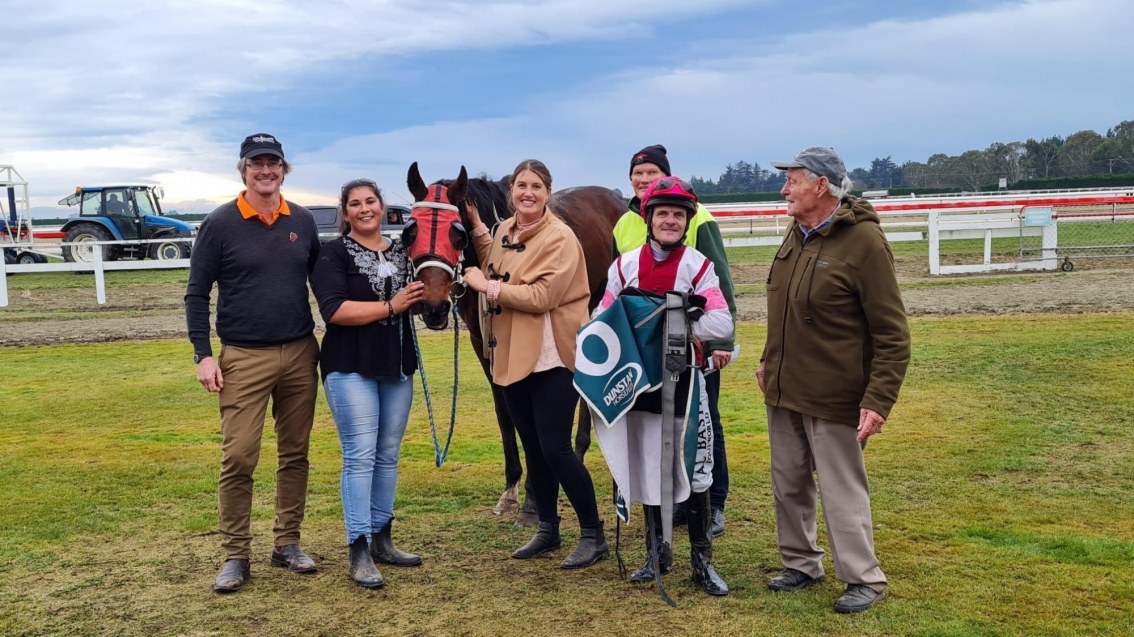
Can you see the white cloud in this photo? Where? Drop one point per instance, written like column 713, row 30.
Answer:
column 118, row 81
column 139, row 97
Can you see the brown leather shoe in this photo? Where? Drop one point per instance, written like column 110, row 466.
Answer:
column 791, row 580
column 857, row 598
column 232, row 576
column 293, row 558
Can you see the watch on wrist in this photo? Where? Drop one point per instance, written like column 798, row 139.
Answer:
column 197, row 358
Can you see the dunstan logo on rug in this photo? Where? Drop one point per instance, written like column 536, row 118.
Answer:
column 621, row 385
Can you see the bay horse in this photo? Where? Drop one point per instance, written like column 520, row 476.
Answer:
column 590, row 212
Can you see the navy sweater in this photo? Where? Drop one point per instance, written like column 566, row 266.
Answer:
column 261, row 276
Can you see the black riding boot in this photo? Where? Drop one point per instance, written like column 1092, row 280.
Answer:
column 546, row 539
column 362, row 569
column 383, row 549
column 592, row 548
column 645, row 575
column 701, row 545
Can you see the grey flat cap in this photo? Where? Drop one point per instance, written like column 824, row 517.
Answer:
column 820, row 160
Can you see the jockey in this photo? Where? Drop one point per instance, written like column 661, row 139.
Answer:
column 662, row 265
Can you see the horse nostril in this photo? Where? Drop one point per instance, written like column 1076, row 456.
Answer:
column 445, row 308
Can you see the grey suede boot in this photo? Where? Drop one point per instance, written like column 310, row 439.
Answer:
column 362, row 569
column 382, row 549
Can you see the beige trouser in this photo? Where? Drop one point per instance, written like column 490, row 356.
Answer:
column 801, row 445
column 288, row 374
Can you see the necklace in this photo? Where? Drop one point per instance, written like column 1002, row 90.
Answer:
column 521, row 226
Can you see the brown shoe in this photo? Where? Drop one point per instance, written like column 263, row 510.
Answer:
column 232, row 576
column 857, row 598
column 791, row 580
column 293, row 558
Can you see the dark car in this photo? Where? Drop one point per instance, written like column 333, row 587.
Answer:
column 327, row 218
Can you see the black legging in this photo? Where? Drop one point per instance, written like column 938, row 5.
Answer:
column 543, row 409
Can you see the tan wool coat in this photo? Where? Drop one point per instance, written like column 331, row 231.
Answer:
column 548, row 276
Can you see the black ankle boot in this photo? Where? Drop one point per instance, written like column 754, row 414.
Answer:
column 362, row 569
column 382, row 549
column 546, row 539
column 592, row 548
column 701, row 546
column 645, row 575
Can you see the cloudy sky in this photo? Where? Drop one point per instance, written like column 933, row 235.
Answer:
column 97, row 91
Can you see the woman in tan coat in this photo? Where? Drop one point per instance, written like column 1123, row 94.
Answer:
column 537, row 289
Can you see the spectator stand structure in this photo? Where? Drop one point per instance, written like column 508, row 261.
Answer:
column 16, row 235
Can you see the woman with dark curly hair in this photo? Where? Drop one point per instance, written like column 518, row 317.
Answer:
column 367, row 361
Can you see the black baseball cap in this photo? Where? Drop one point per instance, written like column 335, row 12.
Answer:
column 261, row 144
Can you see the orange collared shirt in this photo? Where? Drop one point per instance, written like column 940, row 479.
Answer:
column 247, row 211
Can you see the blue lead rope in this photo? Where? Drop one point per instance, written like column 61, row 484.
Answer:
column 439, row 454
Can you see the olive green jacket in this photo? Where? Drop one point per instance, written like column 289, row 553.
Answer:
column 838, row 339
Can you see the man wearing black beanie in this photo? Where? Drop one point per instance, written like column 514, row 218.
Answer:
column 650, row 155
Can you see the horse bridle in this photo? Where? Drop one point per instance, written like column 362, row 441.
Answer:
column 430, row 258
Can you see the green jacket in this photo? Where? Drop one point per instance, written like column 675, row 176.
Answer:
column 838, row 338
column 704, row 236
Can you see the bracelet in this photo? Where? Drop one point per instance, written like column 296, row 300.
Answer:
column 493, row 290
column 480, row 230
column 390, row 309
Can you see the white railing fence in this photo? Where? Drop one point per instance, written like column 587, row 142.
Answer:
column 96, row 265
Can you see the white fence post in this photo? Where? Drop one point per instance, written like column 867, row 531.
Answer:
column 3, row 282
column 99, row 273
column 934, row 243
column 1050, row 252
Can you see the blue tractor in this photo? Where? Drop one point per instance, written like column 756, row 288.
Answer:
column 119, row 213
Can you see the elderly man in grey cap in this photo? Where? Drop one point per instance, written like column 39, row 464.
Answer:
column 836, row 353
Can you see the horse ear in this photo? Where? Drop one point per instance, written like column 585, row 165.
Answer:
column 459, row 188
column 415, row 183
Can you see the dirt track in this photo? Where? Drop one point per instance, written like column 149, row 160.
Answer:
column 152, row 312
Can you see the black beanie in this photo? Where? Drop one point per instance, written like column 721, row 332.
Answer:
column 651, row 155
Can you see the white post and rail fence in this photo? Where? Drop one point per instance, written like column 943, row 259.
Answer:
column 989, row 232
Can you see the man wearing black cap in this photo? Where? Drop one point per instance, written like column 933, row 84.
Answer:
column 836, row 353
column 646, row 166
column 259, row 250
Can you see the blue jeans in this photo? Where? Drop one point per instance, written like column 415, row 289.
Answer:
column 370, row 415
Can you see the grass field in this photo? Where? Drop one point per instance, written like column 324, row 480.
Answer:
column 1003, row 495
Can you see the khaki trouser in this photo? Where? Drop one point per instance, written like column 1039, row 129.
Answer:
column 288, row 374
column 800, row 445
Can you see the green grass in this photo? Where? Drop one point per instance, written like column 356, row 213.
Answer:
column 1003, row 494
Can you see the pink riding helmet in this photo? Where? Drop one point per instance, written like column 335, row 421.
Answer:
column 673, row 191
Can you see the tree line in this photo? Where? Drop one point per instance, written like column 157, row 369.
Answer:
column 1082, row 154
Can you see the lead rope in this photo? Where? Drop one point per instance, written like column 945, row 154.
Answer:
column 439, row 454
